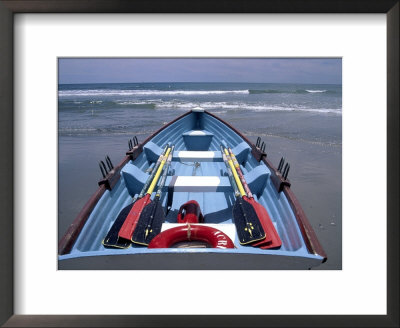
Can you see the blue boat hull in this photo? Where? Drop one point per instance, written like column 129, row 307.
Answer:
column 197, row 172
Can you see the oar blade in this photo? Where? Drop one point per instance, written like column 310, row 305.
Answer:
column 248, row 226
column 269, row 228
column 132, row 218
column 153, row 213
column 112, row 239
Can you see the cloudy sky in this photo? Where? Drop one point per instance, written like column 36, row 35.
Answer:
column 269, row 70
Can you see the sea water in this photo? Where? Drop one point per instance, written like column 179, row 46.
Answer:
column 300, row 122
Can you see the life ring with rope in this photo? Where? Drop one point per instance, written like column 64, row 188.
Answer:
column 192, row 232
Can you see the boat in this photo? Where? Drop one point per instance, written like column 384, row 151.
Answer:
column 205, row 197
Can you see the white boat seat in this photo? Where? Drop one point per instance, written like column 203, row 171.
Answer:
column 198, row 183
column 197, row 156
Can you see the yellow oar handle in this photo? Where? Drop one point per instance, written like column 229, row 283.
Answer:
column 235, row 175
column 158, row 173
column 234, row 160
column 239, row 171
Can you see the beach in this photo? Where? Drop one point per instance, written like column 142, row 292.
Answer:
column 302, row 123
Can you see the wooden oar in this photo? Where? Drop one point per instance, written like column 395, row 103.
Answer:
column 248, row 226
column 272, row 240
column 112, row 239
column 247, row 198
column 131, row 221
column 152, row 217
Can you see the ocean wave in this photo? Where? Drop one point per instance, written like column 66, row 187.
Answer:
column 93, row 130
column 110, row 130
column 136, row 104
column 316, row 91
column 181, row 105
column 267, row 108
column 299, row 91
column 257, row 92
column 243, row 106
column 146, row 93
column 99, row 92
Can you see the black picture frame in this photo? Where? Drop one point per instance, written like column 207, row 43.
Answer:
column 10, row 7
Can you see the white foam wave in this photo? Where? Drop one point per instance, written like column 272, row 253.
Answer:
column 79, row 93
column 316, row 91
column 242, row 106
column 133, row 103
column 182, row 105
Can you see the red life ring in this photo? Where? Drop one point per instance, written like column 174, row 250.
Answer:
column 214, row 237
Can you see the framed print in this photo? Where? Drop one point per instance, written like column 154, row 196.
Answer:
column 129, row 29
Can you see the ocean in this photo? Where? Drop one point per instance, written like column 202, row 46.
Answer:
column 301, row 122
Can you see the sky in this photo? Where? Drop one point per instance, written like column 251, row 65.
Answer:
column 259, row 70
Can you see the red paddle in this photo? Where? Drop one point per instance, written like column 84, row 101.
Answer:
column 133, row 216
column 268, row 226
column 272, row 239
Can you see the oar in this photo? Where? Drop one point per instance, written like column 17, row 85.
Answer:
column 153, row 216
column 249, row 196
column 272, row 240
column 112, row 239
column 131, row 221
column 248, row 226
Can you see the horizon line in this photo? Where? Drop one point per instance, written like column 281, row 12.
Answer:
column 197, row 82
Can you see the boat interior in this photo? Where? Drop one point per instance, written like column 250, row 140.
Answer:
column 200, row 174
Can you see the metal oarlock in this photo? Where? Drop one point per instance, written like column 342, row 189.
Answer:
column 109, row 163
column 104, row 167
column 108, row 157
column 258, row 142
column 133, row 142
column 281, row 162
column 258, row 151
column 110, row 174
column 279, row 179
column 102, row 170
column 286, row 171
column 135, row 148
